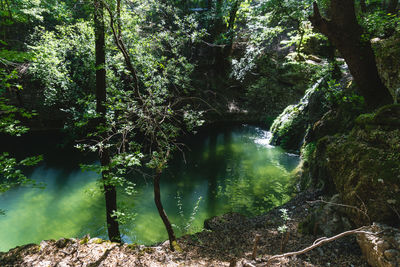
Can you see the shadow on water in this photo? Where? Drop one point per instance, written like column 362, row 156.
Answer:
column 230, row 168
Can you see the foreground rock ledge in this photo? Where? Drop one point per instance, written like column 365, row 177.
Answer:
column 228, row 242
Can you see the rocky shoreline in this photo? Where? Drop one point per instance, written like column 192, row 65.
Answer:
column 228, row 241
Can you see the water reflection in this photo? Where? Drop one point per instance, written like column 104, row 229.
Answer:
column 231, row 169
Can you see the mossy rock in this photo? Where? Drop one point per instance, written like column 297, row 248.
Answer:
column 289, row 128
column 387, row 60
column 133, row 246
column 387, row 117
column 365, row 166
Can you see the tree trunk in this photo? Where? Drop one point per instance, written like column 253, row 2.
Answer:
column 363, row 6
column 231, row 23
column 101, row 95
column 209, row 5
column 346, row 34
column 161, row 211
column 110, row 194
column 392, row 6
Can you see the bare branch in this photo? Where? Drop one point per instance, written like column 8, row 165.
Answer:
column 319, row 242
column 345, row 206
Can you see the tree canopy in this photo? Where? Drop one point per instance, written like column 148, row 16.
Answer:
column 129, row 78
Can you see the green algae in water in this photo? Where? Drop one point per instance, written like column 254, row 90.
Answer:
column 231, row 169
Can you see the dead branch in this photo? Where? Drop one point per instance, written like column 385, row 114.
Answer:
column 344, row 206
column 256, row 239
column 319, row 242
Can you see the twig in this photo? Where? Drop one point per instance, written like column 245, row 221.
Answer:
column 284, row 240
column 394, row 210
column 256, row 239
column 322, row 241
column 343, row 205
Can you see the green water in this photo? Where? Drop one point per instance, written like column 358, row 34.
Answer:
column 230, row 169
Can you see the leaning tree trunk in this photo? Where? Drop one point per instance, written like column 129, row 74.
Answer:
column 101, row 95
column 343, row 30
column 157, row 199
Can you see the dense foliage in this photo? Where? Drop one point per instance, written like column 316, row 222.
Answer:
column 167, row 62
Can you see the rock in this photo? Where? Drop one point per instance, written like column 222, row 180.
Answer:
column 380, row 250
column 364, row 166
column 391, row 254
column 61, row 243
column 382, row 246
column 314, row 58
column 387, row 60
column 95, row 240
column 289, row 128
column 63, row 264
column 328, row 220
column 43, row 245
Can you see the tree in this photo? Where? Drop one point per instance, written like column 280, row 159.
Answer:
column 151, row 111
column 392, row 6
column 346, row 34
column 110, row 192
column 11, row 174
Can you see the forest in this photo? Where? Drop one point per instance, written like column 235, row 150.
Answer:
column 199, row 133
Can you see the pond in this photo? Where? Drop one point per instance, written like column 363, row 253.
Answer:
column 222, row 170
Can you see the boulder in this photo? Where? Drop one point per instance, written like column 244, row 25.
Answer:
column 383, row 248
column 328, row 220
column 387, row 60
column 290, row 127
column 364, row 166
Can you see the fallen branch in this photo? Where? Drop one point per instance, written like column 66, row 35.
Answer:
column 321, row 241
column 363, row 212
column 256, row 239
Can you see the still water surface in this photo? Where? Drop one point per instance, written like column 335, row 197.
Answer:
column 227, row 169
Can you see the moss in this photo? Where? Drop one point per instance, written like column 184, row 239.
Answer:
column 145, row 250
column 364, row 119
column 365, row 167
column 84, row 240
column 384, row 116
column 176, row 246
column 289, row 128
column 307, row 151
column 98, row 241
column 132, row 246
